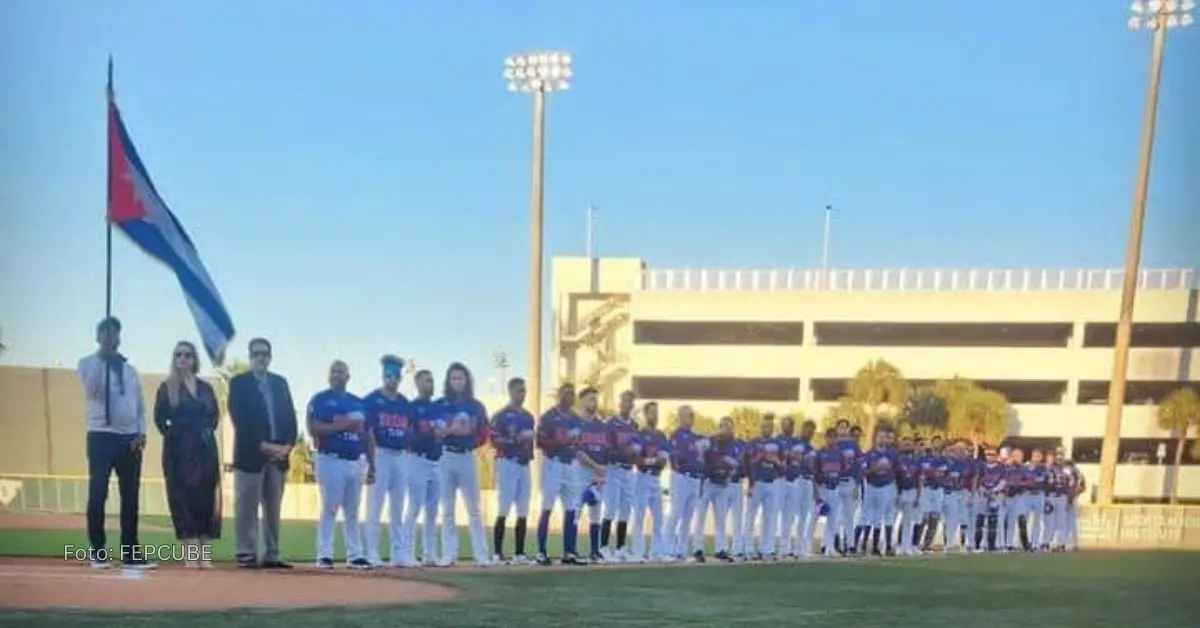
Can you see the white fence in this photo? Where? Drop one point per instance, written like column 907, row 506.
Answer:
column 859, row 280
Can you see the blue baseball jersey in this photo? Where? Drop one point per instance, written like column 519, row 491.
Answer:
column 685, row 452
column 908, row 472
column 807, row 459
column 721, row 461
column 387, row 419
column 463, row 412
column 878, row 468
column 1059, row 481
column 424, row 419
column 593, row 439
column 1040, row 481
column 933, row 470
column 330, row 403
column 739, row 452
column 764, row 457
column 830, row 466
column 557, row 434
column 654, row 446
column 512, row 434
column 957, row 476
column 624, row 440
column 850, row 455
column 791, row 468
column 993, row 476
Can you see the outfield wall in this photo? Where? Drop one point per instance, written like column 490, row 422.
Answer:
column 1099, row 527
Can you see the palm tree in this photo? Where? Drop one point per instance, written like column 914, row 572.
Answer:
column 973, row 412
column 1178, row 414
column 845, row 408
column 880, row 387
column 925, row 413
column 746, row 421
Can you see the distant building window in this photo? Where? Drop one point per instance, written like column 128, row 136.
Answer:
column 779, row 334
column 1134, row 451
column 1136, row 392
column 1029, row 443
column 718, row 388
column 883, row 334
column 1025, row 392
column 1149, row 335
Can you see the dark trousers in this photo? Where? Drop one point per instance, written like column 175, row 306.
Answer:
column 108, row 453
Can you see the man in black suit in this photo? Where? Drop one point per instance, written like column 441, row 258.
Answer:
column 265, row 430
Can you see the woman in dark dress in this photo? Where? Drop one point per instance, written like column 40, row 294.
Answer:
column 185, row 411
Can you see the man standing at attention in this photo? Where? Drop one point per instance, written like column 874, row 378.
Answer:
column 116, row 438
column 264, row 425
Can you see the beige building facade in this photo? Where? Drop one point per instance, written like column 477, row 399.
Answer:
column 789, row 340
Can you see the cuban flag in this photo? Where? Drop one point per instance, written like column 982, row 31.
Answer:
column 135, row 206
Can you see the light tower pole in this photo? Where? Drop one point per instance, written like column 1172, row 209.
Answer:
column 1156, row 16
column 537, row 73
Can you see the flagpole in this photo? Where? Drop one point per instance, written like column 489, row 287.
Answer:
column 108, row 231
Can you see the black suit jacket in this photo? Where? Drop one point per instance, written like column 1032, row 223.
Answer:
column 251, row 423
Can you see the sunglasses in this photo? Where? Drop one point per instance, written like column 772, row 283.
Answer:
column 184, row 354
column 260, row 354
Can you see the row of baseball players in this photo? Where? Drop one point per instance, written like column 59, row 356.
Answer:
column 420, row 459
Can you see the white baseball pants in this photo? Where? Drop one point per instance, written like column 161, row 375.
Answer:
column 512, row 487
column 846, row 504
column 789, row 516
column 954, row 509
column 339, row 483
column 1056, row 521
column 391, row 484
column 648, row 497
column 685, row 495
column 458, row 474
column 558, row 483
column 718, row 499
column 619, row 483
column 878, row 505
column 807, row 518
column 737, row 510
column 909, row 510
column 831, row 497
column 764, row 499
column 424, row 495
column 584, row 478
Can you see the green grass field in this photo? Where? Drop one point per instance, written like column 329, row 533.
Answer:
column 1141, row 589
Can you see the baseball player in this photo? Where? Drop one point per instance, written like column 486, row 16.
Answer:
column 687, row 450
column 648, row 492
column 790, row 493
column 830, row 470
column 1016, row 513
column 804, row 457
column 765, row 466
column 1039, row 487
column 1076, row 486
column 975, row 502
column 737, row 509
column 593, row 455
column 933, row 471
column 992, row 488
column 955, row 486
column 512, row 438
column 848, row 490
column 908, row 503
column 624, row 440
column 557, row 434
column 426, row 430
column 336, row 421
column 465, row 422
column 878, row 468
column 387, row 427
column 1056, row 503
column 717, row 492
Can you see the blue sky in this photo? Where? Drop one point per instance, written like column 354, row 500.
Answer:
column 356, row 176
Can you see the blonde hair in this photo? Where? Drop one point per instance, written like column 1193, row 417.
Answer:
column 174, row 380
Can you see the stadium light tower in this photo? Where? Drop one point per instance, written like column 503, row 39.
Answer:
column 1156, row 16
column 537, row 73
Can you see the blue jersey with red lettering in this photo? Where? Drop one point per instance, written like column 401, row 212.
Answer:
column 1040, row 475
column 512, row 434
column 685, row 452
column 424, row 419
column 992, row 477
column 654, row 447
column 624, row 440
column 721, row 461
column 387, row 419
column 878, row 467
column 850, row 455
column 830, row 466
column 790, row 469
column 908, row 472
column 1059, row 479
column 739, row 452
column 593, row 439
column 764, row 459
column 467, row 412
column 958, row 475
column 933, row 470
column 557, row 434
column 323, row 408
column 800, row 460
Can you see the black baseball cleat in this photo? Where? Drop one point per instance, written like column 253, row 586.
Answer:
column 573, row 559
column 698, row 556
column 544, row 560
column 246, row 562
column 595, row 559
column 274, row 564
column 723, row 556
column 360, row 563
